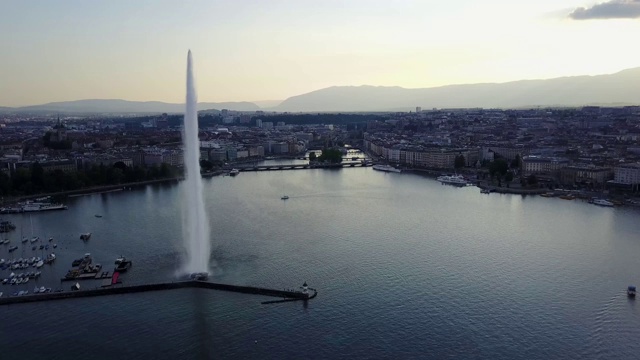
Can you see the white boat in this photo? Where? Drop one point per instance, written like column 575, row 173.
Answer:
column 234, row 172
column 39, row 264
column 452, row 180
column 34, row 239
column 602, row 202
column 41, row 206
column 387, row 168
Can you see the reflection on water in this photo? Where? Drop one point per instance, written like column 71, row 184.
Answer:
column 405, row 268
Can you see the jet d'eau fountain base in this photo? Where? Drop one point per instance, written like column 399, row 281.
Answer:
column 195, row 226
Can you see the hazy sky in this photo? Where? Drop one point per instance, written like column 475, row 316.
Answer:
column 273, row 49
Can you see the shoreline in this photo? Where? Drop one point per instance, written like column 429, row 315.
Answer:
column 104, row 188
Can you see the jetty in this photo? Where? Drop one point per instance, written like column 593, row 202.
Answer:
column 290, row 295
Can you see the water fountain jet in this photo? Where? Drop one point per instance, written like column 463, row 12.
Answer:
column 195, row 226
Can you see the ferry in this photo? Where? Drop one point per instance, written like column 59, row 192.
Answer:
column 31, row 206
column 387, row 168
column 452, row 180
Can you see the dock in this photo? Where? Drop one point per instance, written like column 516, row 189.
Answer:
column 115, row 290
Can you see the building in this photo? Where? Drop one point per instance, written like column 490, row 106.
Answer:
column 628, row 174
column 595, row 176
column 549, row 167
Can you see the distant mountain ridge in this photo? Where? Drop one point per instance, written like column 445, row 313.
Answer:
column 125, row 106
column 619, row 88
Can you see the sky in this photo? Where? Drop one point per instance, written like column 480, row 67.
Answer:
column 250, row 50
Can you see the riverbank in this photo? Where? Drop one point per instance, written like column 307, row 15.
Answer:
column 103, row 188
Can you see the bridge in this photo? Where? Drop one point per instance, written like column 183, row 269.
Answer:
column 303, row 166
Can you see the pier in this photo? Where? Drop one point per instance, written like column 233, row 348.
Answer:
column 288, row 295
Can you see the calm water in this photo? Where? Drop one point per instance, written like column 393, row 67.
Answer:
column 405, row 268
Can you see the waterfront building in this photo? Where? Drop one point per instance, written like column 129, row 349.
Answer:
column 542, row 165
column 591, row 175
column 628, row 174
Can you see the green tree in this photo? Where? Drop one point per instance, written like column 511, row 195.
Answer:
column 498, row 167
column 312, row 156
column 508, row 177
column 459, row 161
column 333, row 156
column 532, row 179
column 516, row 162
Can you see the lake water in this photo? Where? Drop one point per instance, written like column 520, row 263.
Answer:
column 404, row 267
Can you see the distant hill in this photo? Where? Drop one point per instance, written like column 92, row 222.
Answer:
column 125, row 106
column 615, row 89
column 266, row 104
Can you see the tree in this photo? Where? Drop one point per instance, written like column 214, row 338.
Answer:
column 459, row 161
column 498, row 167
column 333, row 156
column 312, row 156
column 516, row 162
column 508, row 177
column 532, row 179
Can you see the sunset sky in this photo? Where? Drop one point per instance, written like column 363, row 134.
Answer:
column 270, row 50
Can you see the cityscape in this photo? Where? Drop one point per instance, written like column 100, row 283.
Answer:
column 319, row 180
column 590, row 148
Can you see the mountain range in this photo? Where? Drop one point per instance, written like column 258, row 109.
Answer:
column 125, row 106
column 621, row 88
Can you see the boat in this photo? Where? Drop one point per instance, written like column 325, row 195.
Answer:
column 452, row 180
column 631, row 291
column 234, row 172
column 6, row 226
column 123, row 265
column 39, row 264
column 98, row 216
column 24, row 240
column 485, row 191
column 33, row 207
column 601, row 202
column 85, row 236
column 386, row 168
column 13, row 248
column 567, row 197
column 285, row 197
column 547, row 194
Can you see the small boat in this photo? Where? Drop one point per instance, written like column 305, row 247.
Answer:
column 631, row 291
column 602, row 202
column 98, row 216
column 387, row 168
column 485, row 191
column 123, row 265
column 24, row 240
column 234, row 172
column 55, row 246
column 34, row 239
column 34, row 248
column 50, row 239
column 567, row 197
column 13, row 248
column 85, row 236
column 285, row 197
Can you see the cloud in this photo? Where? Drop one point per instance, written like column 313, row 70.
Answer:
column 613, row 9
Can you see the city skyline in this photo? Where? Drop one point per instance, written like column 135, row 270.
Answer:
column 257, row 51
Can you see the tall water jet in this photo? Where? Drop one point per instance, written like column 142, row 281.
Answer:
column 195, row 226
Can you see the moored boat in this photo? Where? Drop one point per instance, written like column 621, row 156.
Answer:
column 387, row 168
column 601, row 202
column 452, row 180
column 234, row 172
